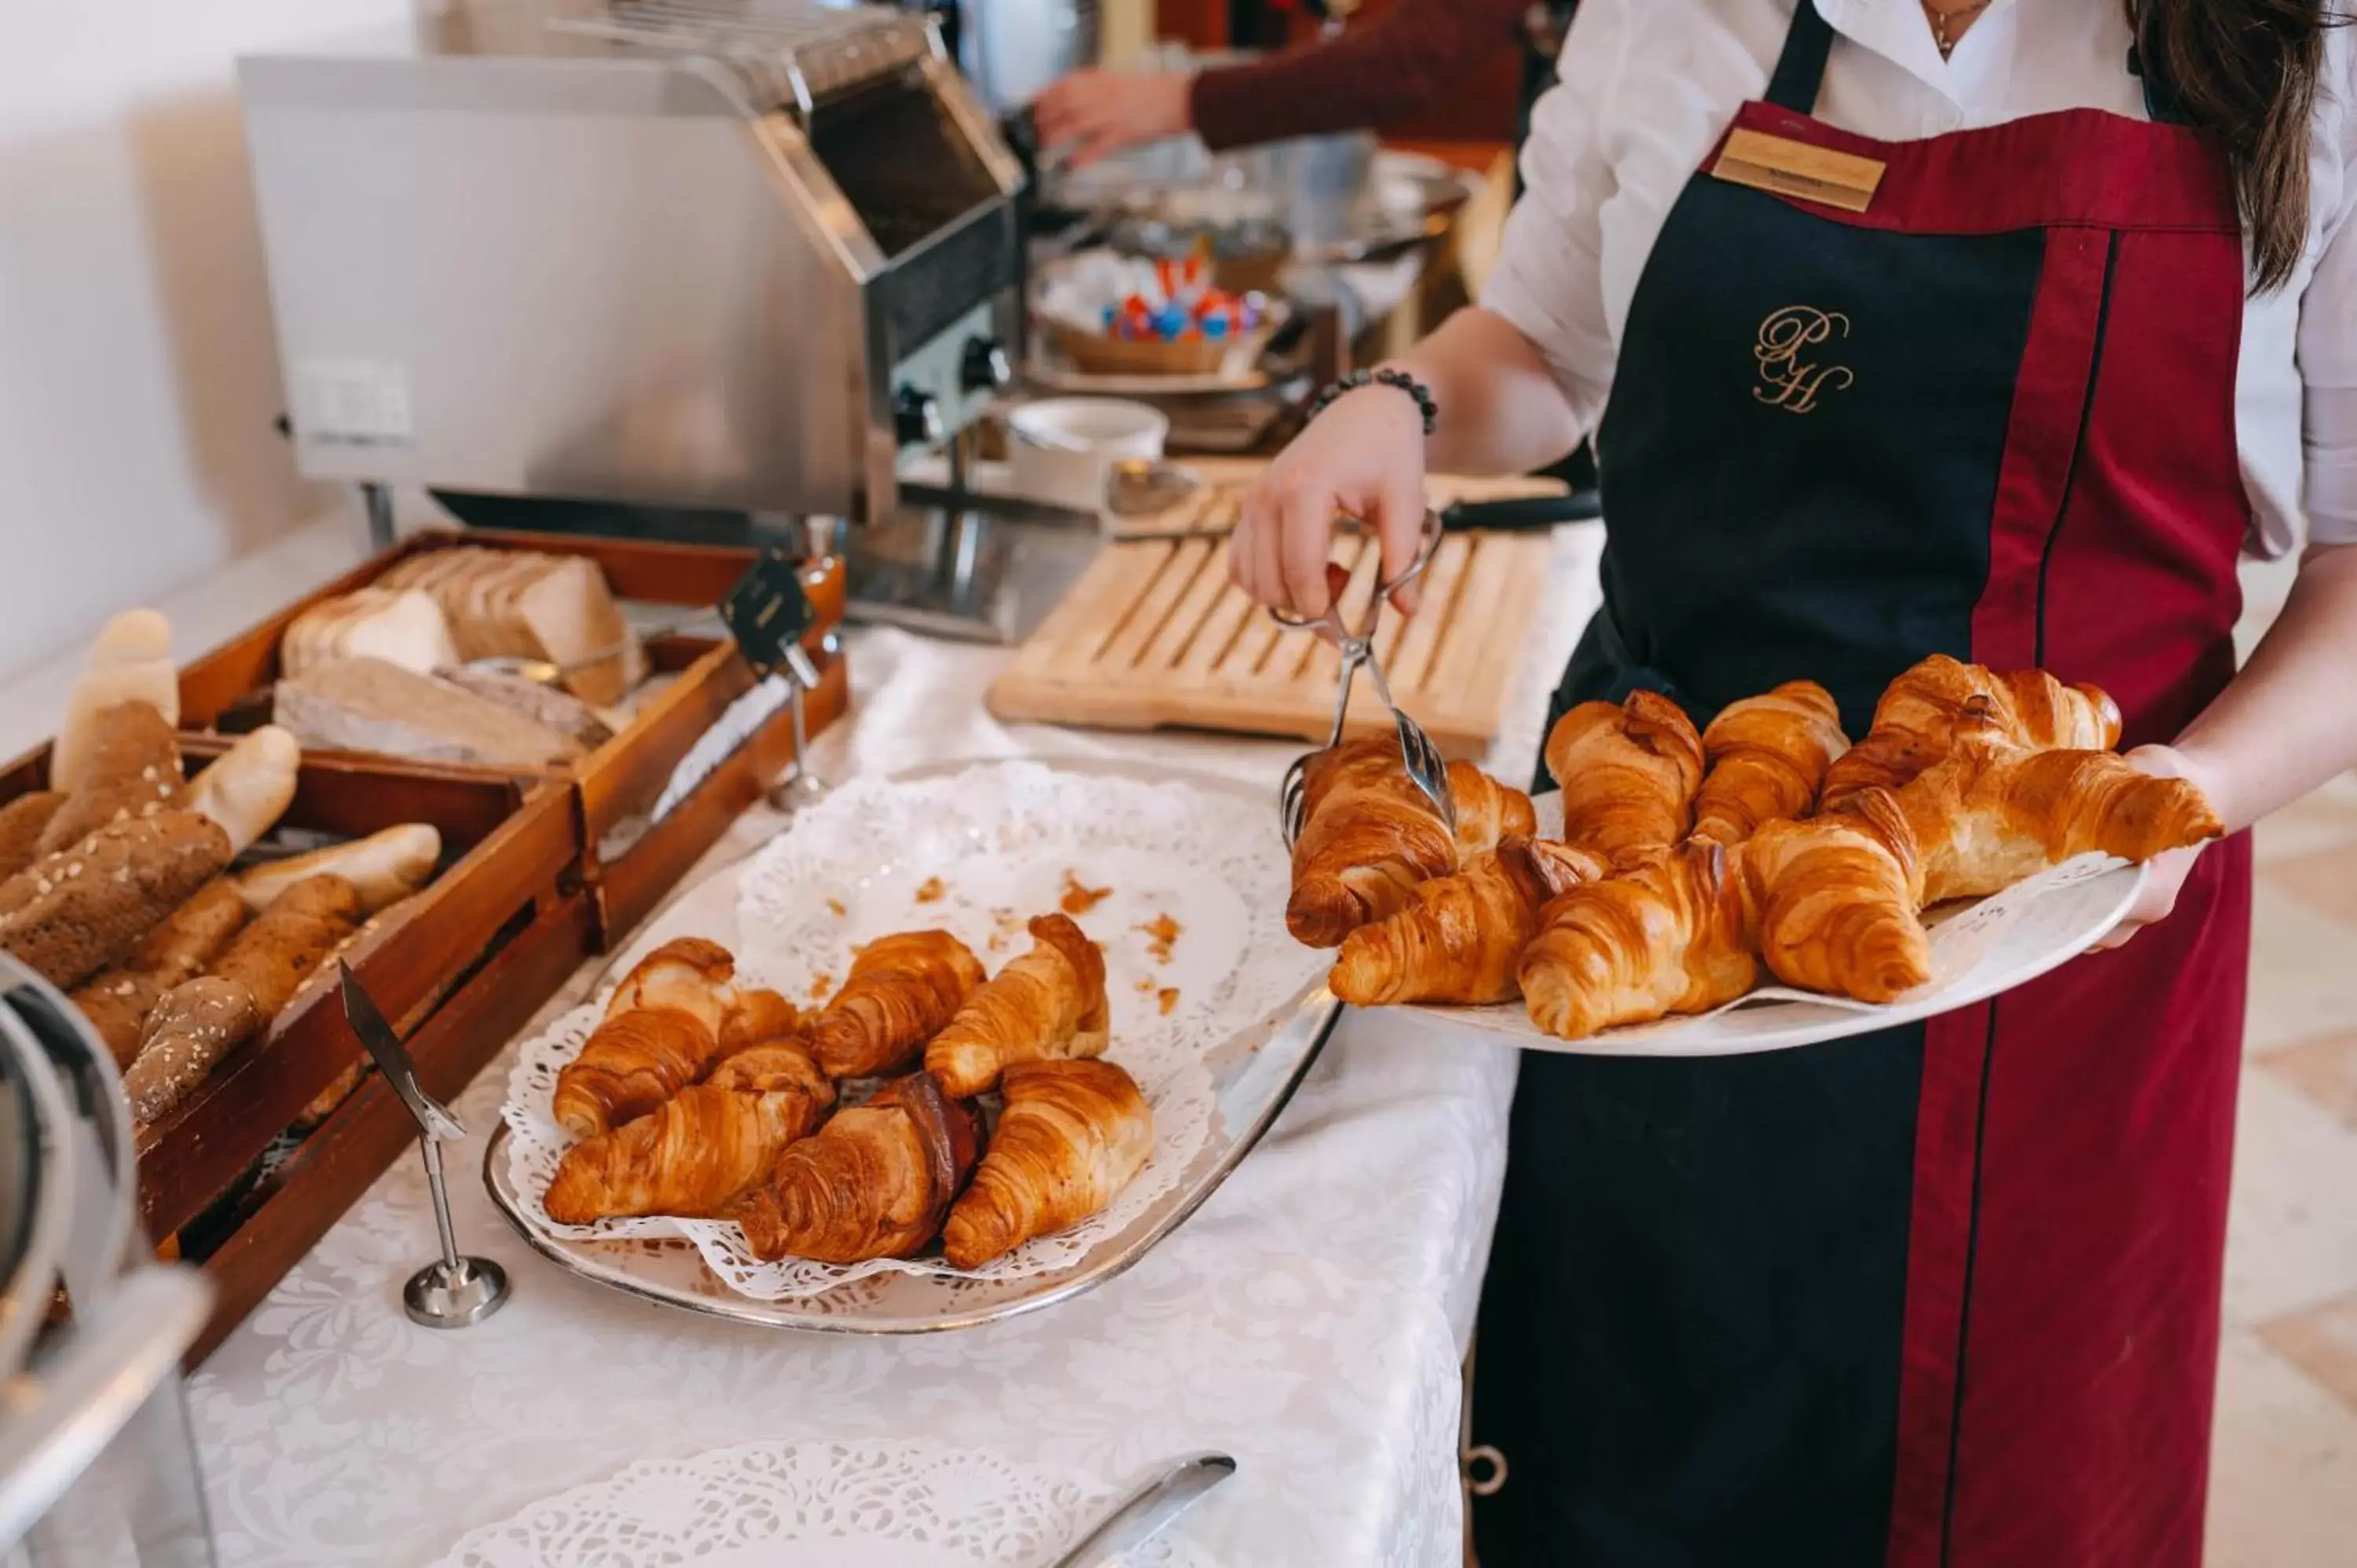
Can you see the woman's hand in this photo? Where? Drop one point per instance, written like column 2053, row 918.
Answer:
column 1091, row 113
column 2169, row 871
column 1362, row 457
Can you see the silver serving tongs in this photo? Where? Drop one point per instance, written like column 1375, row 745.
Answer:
column 1426, row 768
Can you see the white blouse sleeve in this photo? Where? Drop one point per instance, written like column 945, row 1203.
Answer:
column 1546, row 282
column 2328, row 319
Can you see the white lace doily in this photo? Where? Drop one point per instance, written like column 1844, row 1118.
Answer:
column 815, row 1505
column 1187, row 900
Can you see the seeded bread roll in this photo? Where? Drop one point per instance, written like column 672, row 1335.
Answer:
column 194, row 1027
column 118, row 1001
column 71, row 914
column 21, row 821
column 133, row 771
column 131, row 660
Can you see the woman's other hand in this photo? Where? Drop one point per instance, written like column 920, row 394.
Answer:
column 2169, row 871
column 1364, row 458
column 1091, row 113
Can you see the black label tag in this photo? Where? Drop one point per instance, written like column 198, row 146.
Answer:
column 768, row 611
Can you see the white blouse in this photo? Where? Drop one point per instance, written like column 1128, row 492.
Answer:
column 1647, row 87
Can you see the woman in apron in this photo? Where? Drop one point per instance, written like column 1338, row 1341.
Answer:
column 1983, row 328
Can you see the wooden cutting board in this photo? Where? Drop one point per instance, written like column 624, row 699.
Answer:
column 1153, row 636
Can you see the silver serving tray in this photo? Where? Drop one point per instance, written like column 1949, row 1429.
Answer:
column 1254, row 1073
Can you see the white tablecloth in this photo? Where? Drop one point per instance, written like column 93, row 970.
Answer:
column 1309, row 1319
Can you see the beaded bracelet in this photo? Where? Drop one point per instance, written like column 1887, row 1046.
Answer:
column 1382, row 378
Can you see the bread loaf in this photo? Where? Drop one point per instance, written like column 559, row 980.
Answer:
column 382, row 867
column 402, row 627
column 560, row 711
column 250, row 788
column 131, row 769
column 118, row 1001
column 520, row 604
column 71, row 914
column 367, row 704
column 130, row 661
column 192, row 1028
column 21, row 821
column 288, row 940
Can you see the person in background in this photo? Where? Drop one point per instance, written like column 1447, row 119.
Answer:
column 1383, row 68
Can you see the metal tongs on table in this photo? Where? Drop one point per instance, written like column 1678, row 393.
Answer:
column 1426, row 768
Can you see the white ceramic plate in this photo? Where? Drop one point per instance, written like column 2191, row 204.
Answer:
column 1977, row 951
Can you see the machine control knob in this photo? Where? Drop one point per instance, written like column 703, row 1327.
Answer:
column 985, row 368
column 917, row 418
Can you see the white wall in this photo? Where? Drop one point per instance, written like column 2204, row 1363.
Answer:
column 137, row 378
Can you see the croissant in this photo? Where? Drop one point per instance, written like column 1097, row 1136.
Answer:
column 901, row 991
column 873, row 1183
column 1915, row 723
column 1050, row 1002
column 1669, row 935
column 1628, row 773
column 699, row 1150
column 1462, row 938
column 753, row 1016
column 1369, row 836
column 634, row 1062
column 1073, row 1136
column 690, row 974
column 1833, row 910
column 1992, row 814
column 1768, row 757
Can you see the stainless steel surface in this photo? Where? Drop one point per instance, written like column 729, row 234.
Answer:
column 1427, row 769
column 97, row 1467
column 677, row 253
column 1255, row 1073
column 454, row 1291
column 978, row 571
column 1151, row 1511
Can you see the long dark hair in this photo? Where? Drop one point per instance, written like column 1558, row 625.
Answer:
column 2245, row 70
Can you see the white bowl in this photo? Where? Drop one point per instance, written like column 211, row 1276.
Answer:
column 1062, row 449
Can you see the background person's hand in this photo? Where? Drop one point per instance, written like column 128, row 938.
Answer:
column 2169, row 871
column 1364, row 456
column 1090, row 113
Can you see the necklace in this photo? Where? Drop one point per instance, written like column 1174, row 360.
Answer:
column 1941, row 21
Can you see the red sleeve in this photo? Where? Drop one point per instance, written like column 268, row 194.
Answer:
column 1386, row 68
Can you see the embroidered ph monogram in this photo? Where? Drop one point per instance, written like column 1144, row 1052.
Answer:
column 1791, row 375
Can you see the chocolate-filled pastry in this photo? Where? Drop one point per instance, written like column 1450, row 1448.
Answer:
column 632, row 1063
column 1462, row 939
column 1768, row 757
column 902, row 990
column 698, row 1151
column 1628, row 773
column 876, row 1182
column 1049, row 1002
column 1073, row 1136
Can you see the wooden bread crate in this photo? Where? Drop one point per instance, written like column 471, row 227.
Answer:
column 627, row 862
column 458, row 968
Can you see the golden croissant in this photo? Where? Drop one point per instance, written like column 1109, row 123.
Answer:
column 699, row 1150
column 1768, row 757
column 1668, row 935
column 1628, row 773
column 1369, row 836
column 1833, row 909
column 1915, row 722
column 1992, row 814
column 1073, row 1136
column 901, row 991
column 631, row 1064
column 876, row 1182
column 690, row 974
column 1462, row 938
column 1050, row 1002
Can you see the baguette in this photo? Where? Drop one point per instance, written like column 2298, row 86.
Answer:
column 133, row 769
column 250, row 788
column 367, row 704
column 290, row 938
column 131, row 660
column 193, row 1027
column 71, row 914
column 118, row 1001
column 383, row 867
column 21, row 821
